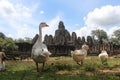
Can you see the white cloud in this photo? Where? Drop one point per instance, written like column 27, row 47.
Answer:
column 17, row 18
column 77, row 25
column 10, row 35
column 25, row 31
column 7, row 9
column 104, row 16
column 42, row 12
column 84, row 31
column 101, row 18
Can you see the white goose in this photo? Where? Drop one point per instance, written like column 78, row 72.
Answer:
column 40, row 53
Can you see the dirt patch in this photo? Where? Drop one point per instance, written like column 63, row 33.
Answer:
column 74, row 72
column 77, row 72
column 65, row 72
column 116, row 70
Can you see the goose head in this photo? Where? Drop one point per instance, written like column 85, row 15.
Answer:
column 86, row 47
column 43, row 24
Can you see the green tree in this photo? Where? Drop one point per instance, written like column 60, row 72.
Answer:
column 117, row 33
column 22, row 40
column 7, row 45
column 101, row 35
column 116, row 38
column 2, row 35
column 28, row 40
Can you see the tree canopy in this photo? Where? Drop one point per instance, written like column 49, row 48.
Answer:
column 116, row 39
column 7, row 44
column 117, row 33
column 21, row 40
column 101, row 35
column 2, row 35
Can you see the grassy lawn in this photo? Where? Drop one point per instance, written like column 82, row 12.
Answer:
column 63, row 68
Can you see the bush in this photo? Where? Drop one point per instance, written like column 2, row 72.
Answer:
column 63, row 67
column 90, row 67
column 57, row 67
column 7, row 45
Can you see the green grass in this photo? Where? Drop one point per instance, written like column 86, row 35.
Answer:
column 63, row 68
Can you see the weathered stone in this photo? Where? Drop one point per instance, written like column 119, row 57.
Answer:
column 46, row 39
column 79, row 43
column 62, row 36
column 89, row 41
column 50, row 40
column 35, row 38
column 83, row 40
column 74, row 38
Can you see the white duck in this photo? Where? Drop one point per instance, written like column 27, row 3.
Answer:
column 40, row 53
column 103, row 57
column 79, row 55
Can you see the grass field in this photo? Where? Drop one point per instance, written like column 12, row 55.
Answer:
column 63, row 68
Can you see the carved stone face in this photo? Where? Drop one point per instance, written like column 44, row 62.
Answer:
column 61, row 25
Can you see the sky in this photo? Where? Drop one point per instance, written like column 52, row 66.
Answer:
column 21, row 18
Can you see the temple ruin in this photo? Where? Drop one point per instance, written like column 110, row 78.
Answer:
column 63, row 42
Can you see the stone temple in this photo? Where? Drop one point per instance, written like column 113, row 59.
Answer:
column 62, row 43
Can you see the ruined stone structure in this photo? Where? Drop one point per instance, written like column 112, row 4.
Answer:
column 63, row 42
column 62, row 36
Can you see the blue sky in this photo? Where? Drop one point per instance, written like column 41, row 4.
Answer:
column 20, row 18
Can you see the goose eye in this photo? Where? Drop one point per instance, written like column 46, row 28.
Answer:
column 42, row 49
